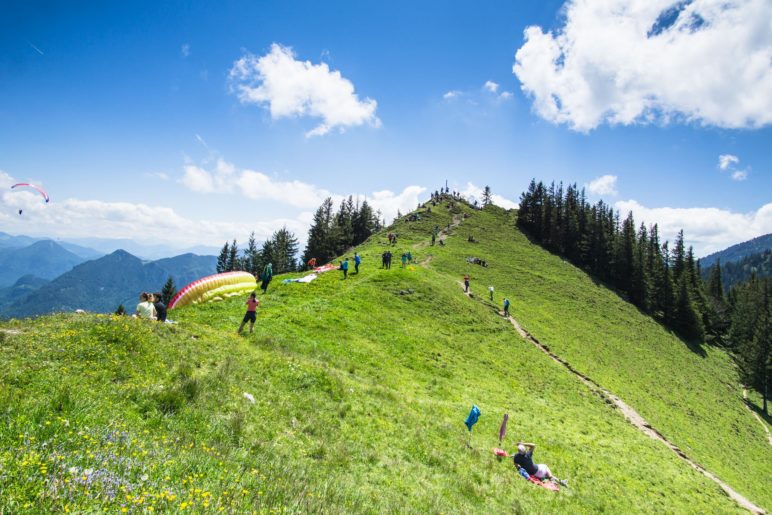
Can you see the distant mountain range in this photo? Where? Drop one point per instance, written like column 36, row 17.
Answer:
column 739, row 251
column 90, row 248
column 44, row 259
column 101, row 285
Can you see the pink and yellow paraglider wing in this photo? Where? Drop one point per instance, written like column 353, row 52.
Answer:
column 214, row 287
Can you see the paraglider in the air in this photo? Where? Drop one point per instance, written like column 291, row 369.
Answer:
column 38, row 188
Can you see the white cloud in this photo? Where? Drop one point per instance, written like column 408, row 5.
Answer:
column 475, row 192
column 505, row 95
column 77, row 218
column 641, row 61
column 450, row 95
column 389, row 202
column 491, row 86
column 603, row 185
column 707, row 229
column 292, row 88
column 739, row 175
column 727, row 160
column 185, row 50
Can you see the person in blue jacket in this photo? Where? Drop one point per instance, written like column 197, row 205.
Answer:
column 357, row 260
column 344, row 267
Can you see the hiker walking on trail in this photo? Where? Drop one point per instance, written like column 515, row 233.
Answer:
column 357, row 261
column 466, row 283
column 506, row 308
column 251, row 314
column 266, row 277
column 523, row 459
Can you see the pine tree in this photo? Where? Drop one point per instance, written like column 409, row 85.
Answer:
column 252, row 260
column 222, row 259
column 751, row 335
column 320, row 236
column 687, row 321
column 487, row 197
column 364, row 223
column 168, row 291
column 233, row 257
column 284, row 248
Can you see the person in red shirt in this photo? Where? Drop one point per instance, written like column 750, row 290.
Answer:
column 251, row 314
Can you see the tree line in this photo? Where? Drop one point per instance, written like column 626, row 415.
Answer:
column 735, row 272
column 663, row 282
column 331, row 234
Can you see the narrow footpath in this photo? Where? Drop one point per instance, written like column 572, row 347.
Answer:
column 766, row 430
column 631, row 415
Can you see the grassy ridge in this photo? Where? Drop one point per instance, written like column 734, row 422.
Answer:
column 690, row 394
column 360, row 395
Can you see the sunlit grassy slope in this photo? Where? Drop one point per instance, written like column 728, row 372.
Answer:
column 360, row 396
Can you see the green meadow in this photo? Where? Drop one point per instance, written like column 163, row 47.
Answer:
column 360, row 391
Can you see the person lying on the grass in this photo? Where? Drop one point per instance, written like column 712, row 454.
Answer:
column 523, row 459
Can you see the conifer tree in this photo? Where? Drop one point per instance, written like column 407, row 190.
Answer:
column 252, row 259
column 222, row 259
column 233, row 257
column 486, row 196
column 168, row 291
column 283, row 250
column 320, row 236
column 687, row 321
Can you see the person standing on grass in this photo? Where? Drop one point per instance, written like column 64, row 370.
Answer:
column 409, row 257
column 506, row 308
column 388, row 260
column 251, row 314
column 490, row 290
column 266, row 277
column 466, row 283
column 404, row 259
column 344, row 267
column 523, row 459
column 357, row 261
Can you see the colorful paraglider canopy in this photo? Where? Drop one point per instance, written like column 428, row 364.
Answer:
column 214, row 287
column 39, row 189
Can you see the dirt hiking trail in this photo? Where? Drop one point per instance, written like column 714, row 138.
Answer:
column 629, row 413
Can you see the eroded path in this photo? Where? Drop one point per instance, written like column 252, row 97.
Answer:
column 631, row 415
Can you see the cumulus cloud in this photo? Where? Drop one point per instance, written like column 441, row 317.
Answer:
column 491, row 86
column 389, row 202
column 185, row 50
column 475, row 192
column 293, row 88
column 708, row 229
column 454, row 93
column 739, row 175
column 225, row 178
column 77, row 218
column 643, row 61
column 603, row 185
column 727, row 160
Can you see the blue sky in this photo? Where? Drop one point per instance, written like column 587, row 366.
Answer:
column 186, row 123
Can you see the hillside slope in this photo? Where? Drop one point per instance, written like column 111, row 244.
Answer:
column 361, row 388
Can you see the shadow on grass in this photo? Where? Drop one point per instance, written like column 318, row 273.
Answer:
column 758, row 410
